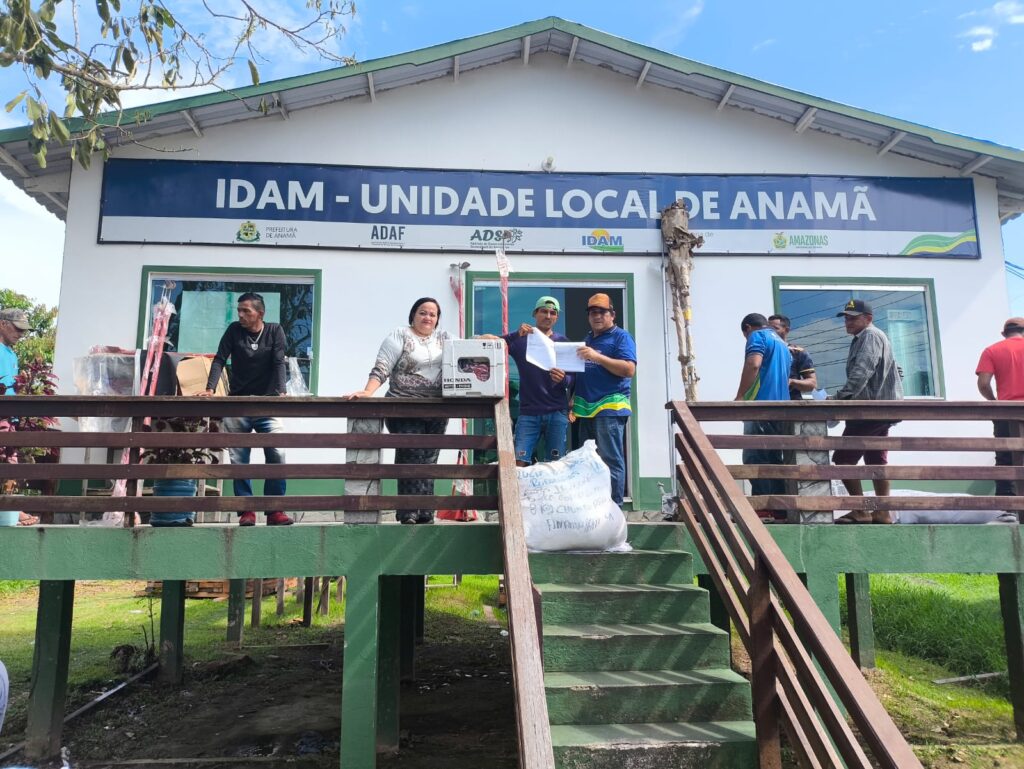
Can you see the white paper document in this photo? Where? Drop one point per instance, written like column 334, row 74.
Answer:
column 545, row 354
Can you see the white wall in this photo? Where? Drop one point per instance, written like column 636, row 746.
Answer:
column 511, row 117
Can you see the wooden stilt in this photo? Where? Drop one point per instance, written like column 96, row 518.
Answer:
column 172, row 631
column 50, row 669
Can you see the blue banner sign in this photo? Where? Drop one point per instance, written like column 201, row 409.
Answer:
column 260, row 204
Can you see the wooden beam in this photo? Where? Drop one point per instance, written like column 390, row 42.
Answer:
column 51, row 655
column 172, row 631
column 974, row 165
column 725, row 97
column 51, row 439
column 192, row 122
column 526, row 49
column 805, row 120
column 1011, row 603
column 282, row 108
column 455, row 69
column 895, row 138
column 236, row 611
column 389, row 664
column 359, row 697
column 572, row 51
column 859, row 622
column 643, row 74
column 149, row 504
column 369, row 86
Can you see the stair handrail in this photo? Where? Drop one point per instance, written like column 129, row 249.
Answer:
column 534, row 729
column 783, row 630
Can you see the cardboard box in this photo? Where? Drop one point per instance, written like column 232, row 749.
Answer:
column 472, row 368
column 193, row 374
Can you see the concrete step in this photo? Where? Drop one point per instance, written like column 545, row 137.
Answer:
column 593, row 647
column 715, row 745
column 647, row 696
column 658, row 536
column 586, row 602
column 637, row 567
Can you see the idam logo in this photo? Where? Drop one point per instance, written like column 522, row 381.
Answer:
column 604, row 241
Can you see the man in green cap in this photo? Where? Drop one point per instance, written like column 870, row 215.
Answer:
column 543, row 404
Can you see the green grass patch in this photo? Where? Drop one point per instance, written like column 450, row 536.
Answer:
column 14, row 586
column 952, row 620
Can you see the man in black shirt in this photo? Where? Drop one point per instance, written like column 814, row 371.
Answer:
column 802, row 378
column 256, row 350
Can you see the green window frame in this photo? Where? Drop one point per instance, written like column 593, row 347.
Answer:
column 241, row 279
column 904, row 308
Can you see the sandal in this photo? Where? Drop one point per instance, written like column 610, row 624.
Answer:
column 854, row 516
column 24, row 519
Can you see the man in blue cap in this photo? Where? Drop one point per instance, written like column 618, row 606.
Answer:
column 543, row 404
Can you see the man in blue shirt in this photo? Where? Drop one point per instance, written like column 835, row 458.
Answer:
column 765, row 377
column 601, row 399
column 543, row 403
column 13, row 325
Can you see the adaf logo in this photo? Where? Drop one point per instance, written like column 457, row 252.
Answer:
column 603, row 241
column 780, row 241
column 248, row 233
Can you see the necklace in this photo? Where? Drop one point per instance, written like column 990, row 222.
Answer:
column 254, row 344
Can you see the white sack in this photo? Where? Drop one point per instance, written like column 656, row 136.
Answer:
column 567, row 505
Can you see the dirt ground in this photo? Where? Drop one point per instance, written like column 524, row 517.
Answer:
column 281, row 707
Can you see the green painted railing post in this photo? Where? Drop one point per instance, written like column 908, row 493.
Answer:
column 49, row 689
column 389, row 665
column 359, row 691
column 236, row 610
column 1011, row 602
column 172, row 631
column 412, row 593
column 859, row 622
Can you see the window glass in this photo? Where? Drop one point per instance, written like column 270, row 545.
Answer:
column 204, row 308
column 903, row 312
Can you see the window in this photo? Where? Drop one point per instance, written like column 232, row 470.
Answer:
column 904, row 310
column 206, row 303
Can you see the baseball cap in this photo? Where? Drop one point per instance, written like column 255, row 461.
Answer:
column 601, row 301
column 18, row 318
column 548, row 302
column 855, row 307
column 1015, row 324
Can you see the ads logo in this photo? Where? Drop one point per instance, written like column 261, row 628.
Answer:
column 486, row 237
column 780, row 241
column 603, row 241
column 248, row 233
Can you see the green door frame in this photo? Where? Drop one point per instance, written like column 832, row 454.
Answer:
column 626, row 281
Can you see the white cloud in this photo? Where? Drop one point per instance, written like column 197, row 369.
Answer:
column 981, row 45
column 764, row 44
column 1004, row 12
column 979, row 32
column 680, row 19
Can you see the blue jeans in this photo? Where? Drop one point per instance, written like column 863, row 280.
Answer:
column 609, row 432
column 529, row 429
column 272, row 487
column 765, row 486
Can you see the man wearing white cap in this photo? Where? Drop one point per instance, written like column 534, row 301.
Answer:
column 13, row 325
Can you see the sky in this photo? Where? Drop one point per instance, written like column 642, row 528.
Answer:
column 945, row 64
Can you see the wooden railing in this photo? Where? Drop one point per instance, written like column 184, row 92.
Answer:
column 796, row 656
column 913, row 416
column 531, row 704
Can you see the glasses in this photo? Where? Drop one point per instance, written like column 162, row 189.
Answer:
column 597, row 311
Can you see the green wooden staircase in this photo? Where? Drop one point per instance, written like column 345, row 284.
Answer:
column 635, row 674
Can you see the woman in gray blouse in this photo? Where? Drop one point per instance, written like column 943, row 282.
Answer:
column 410, row 356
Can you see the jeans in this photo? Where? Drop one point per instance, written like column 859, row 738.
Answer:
column 272, row 487
column 529, row 429
column 764, row 486
column 609, row 432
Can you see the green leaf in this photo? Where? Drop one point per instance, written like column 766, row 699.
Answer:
column 129, row 60
column 59, row 129
column 15, row 101
column 33, row 109
column 255, row 73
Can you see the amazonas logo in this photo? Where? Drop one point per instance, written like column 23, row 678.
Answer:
column 603, row 241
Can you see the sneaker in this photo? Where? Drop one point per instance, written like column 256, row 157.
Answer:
column 405, row 516
column 247, row 518
column 1006, row 518
column 277, row 518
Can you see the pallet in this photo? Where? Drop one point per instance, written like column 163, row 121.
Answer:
column 217, row 588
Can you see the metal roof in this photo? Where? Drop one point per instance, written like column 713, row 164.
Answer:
column 275, row 100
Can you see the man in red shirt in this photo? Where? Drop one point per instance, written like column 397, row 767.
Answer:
column 1004, row 362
